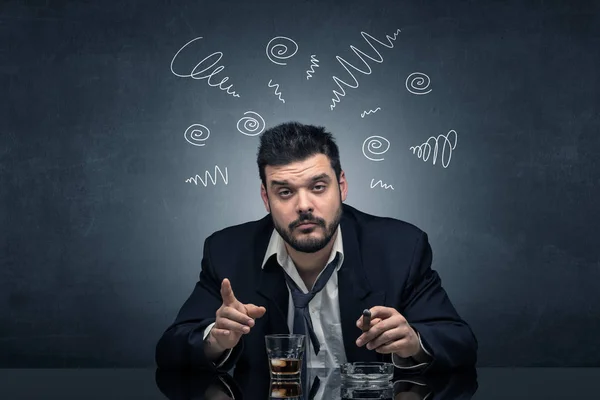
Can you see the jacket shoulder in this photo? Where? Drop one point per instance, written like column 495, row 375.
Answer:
column 240, row 235
column 382, row 227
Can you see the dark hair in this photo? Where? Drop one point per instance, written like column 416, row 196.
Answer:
column 292, row 141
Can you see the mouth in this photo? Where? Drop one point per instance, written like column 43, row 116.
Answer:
column 306, row 225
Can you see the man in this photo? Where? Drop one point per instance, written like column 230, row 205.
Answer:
column 311, row 266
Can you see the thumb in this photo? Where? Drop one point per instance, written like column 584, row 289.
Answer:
column 255, row 311
column 227, row 293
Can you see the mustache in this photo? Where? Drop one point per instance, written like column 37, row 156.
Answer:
column 307, row 217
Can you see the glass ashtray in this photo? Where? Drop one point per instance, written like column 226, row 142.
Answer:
column 367, row 371
column 382, row 391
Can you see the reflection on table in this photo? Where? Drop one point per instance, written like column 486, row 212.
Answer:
column 322, row 384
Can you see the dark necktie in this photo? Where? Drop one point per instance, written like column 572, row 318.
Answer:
column 302, row 321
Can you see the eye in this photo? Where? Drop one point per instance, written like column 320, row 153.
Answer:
column 320, row 187
column 284, row 193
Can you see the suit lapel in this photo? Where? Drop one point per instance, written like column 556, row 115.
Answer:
column 355, row 294
column 271, row 283
column 272, row 286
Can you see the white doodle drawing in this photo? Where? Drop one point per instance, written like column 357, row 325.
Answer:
column 418, row 84
column 372, row 144
column 205, row 73
column 251, row 126
column 380, row 183
column 279, row 51
column 208, row 176
column 424, row 150
column 313, row 64
column 276, row 86
column 362, row 115
column 360, row 55
column 194, row 134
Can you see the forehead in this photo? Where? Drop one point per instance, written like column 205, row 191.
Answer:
column 299, row 171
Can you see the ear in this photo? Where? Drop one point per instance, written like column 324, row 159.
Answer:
column 343, row 186
column 265, row 197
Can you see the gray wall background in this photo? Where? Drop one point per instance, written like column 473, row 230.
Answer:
column 101, row 236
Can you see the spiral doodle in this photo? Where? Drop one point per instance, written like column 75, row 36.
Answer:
column 418, row 84
column 251, row 126
column 194, row 134
column 372, row 144
column 279, row 51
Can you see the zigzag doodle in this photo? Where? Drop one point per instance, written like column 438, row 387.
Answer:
column 380, row 183
column 362, row 115
column 313, row 65
column 207, row 175
column 360, row 55
column 276, row 86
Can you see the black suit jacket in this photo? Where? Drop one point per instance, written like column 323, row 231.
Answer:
column 387, row 262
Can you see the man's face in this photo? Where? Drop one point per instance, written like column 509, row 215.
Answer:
column 305, row 201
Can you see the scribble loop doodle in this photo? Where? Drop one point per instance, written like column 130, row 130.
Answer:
column 277, row 49
column 449, row 142
column 418, row 83
column 196, row 134
column 251, row 125
column 373, row 144
column 205, row 73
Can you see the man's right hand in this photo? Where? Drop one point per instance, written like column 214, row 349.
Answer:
column 234, row 319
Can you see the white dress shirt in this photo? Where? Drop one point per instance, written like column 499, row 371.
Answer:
column 324, row 310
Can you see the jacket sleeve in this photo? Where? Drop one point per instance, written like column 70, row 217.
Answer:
column 181, row 346
column 428, row 309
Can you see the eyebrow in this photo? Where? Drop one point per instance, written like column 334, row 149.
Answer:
column 320, row 177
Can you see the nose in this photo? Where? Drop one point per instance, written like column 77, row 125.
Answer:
column 304, row 204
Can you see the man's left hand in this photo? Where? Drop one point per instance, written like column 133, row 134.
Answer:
column 389, row 333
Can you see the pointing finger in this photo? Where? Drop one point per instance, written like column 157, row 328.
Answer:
column 227, row 293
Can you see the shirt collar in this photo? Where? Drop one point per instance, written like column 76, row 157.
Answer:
column 277, row 246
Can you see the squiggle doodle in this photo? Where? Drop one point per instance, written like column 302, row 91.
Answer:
column 195, row 74
column 424, row 150
column 194, row 133
column 362, row 115
column 380, row 183
column 313, row 65
column 418, row 84
column 276, row 86
column 251, row 125
column 360, row 55
column 208, row 176
column 279, row 50
column 372, row 145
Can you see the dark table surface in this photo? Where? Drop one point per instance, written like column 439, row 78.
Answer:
column 483, row 383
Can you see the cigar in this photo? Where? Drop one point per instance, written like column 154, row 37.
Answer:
column 366, row 320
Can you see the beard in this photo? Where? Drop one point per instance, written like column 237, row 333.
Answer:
column 309, row 244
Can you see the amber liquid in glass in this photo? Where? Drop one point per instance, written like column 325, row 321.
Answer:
column 285, row 366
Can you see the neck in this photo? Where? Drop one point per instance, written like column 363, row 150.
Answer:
column 310, row 265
